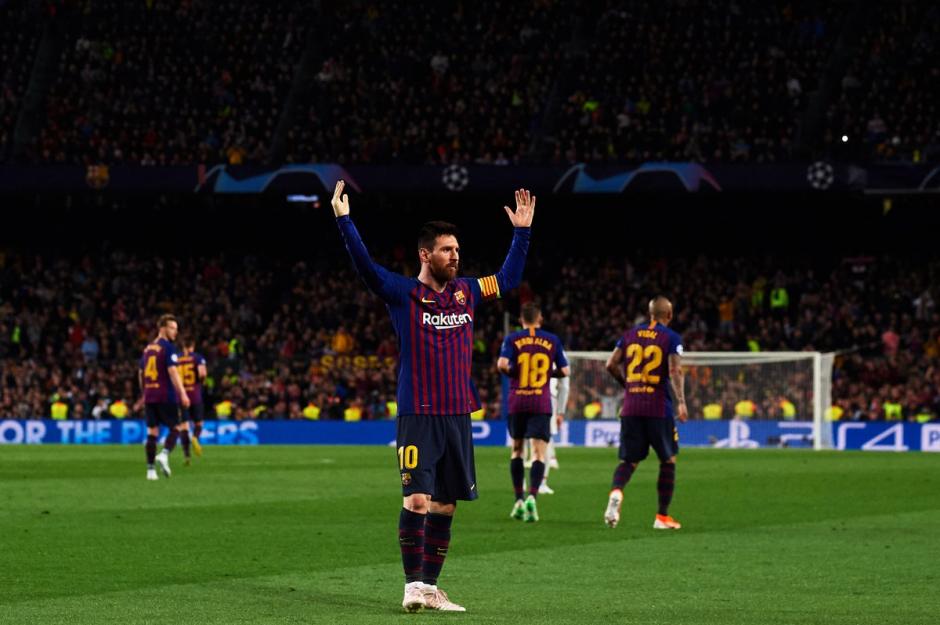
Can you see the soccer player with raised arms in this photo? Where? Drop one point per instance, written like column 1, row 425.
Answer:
column 433, row 320
column 530, row 357
column 647, row 362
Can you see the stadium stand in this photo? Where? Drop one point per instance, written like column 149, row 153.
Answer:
column 881, row 102
column 696, row 81
column 20, row 31
column 277, row 338
column 169, row 83
column 542, row 81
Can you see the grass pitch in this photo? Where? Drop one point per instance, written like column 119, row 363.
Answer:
column 308, row 535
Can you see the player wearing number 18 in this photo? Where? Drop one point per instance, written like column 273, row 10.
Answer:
column 647, row 363
column 433, row 319
column 530, row 357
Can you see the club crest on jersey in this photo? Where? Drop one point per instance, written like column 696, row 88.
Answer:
column 459, row 296
column 405, row 478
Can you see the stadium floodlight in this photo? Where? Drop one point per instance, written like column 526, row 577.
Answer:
column 784, row 386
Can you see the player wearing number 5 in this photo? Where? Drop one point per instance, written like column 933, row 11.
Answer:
column 433, row 320
column 530, row 357
column 647, row 363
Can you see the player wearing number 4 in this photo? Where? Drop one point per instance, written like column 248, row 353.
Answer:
column 433, row 320
column 162, row 385
column 646, row 419
column 530, row 357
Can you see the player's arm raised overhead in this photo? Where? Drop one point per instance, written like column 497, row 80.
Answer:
column 677, row 380
column 615, row 366
column 509, row 275
column 379, row 280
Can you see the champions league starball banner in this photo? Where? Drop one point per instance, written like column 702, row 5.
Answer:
column 316, row 179
column 850, row 435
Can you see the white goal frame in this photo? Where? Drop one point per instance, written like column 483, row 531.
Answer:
column 822, row 378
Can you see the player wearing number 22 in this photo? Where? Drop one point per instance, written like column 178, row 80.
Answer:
column 433, row 320
column 647, row 363
column 530, row 357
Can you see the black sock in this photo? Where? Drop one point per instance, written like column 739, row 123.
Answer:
column 535, row 477
column 170, row 441
column 151, row 448
column 411, row 541
column 436, row 543
column 517, row 471
column 184, row 441
column 622, row 475
column 665, row 485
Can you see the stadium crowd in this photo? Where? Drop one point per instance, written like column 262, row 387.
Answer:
column 433, row 82
column 19, row 39
column 880, row 101
column 282, row 342
column 166, row 82
column 696, row 81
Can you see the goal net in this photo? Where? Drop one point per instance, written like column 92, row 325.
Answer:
column 744, row 390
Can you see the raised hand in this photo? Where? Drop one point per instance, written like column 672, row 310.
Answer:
column 525, row 209
column 340, row 200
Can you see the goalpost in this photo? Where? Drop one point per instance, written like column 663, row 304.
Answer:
column 778, row 386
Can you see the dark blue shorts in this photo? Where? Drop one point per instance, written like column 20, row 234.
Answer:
column 162, row 414
column 195, row 412
column 435, row 457
column 525, row 425
column 638, row 434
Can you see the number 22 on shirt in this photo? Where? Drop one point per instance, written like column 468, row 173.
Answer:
column 642, row 362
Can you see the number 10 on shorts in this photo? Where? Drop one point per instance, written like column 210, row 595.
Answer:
column 407, row 457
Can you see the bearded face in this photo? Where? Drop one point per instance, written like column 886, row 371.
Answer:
column 444, row 259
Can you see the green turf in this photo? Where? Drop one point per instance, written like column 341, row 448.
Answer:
column 308, row 535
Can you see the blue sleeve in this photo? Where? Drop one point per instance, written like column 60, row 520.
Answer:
column 506, row 350
column 675, row 343
column 619, row 344
column 509, row 275
column 200, row 360
column 389, row 286
column 561, row 360
column 172, row 356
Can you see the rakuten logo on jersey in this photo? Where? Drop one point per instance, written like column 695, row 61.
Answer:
column 446, row 322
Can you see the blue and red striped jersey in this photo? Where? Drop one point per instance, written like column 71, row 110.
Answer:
column 531, row 354
column 155, row 362
column 646, row 351
column 434, row 330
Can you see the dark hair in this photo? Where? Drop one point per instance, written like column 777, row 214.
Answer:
column 187, row 340
column 164, row 320
column 433, row 229
column 530, row 312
